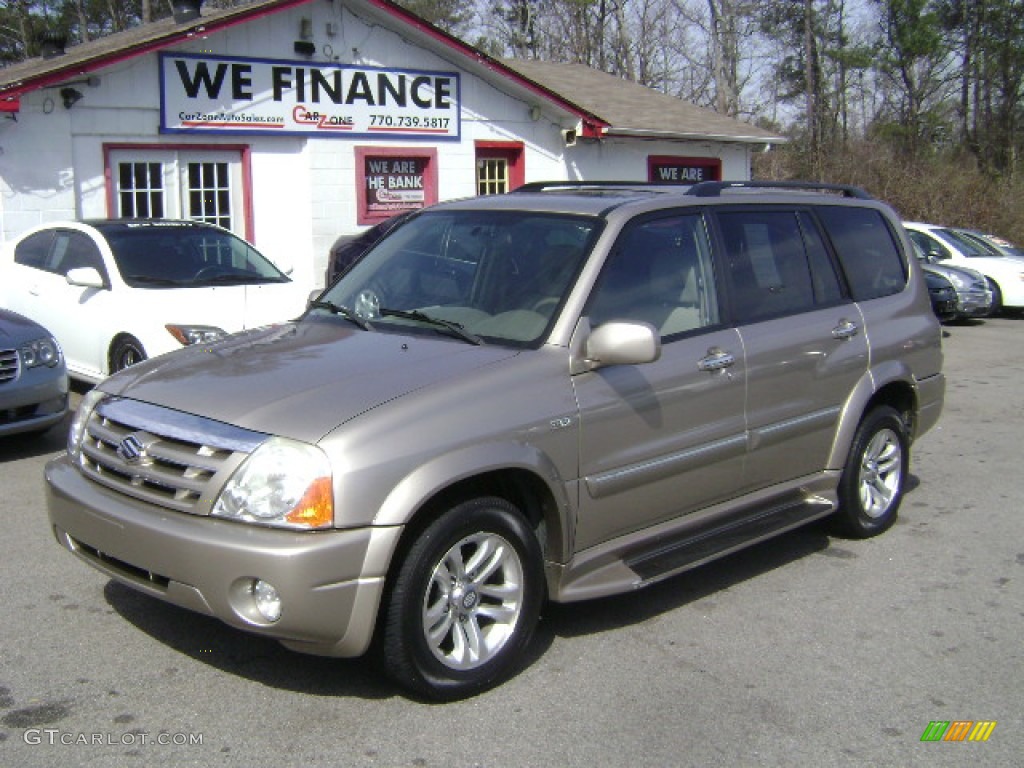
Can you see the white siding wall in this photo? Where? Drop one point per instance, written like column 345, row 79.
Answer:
column 303, row 195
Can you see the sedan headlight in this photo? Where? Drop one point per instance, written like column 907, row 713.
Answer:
column 195, row 334
column 40, row 352
column 282, row 483
column 958, row 280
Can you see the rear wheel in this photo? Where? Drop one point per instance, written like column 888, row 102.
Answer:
column 126, row 351
column 872, row 484
column 465, row 601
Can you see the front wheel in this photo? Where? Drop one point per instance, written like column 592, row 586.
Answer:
column 873, row 479
column 465, row 601
column 997, row 298
column 124, row 352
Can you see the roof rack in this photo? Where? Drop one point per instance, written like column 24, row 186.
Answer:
column 639, row 186
column 715, row 188
column 700, row 189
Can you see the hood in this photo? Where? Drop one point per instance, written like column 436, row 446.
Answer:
column 300, row 379
column 16, row 329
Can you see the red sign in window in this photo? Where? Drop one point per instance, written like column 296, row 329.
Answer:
column 390, row 181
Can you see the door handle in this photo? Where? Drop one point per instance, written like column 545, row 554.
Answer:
column 845, row 330
column 716, row 360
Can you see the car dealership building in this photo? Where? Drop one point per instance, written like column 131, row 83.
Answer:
column 293, row 121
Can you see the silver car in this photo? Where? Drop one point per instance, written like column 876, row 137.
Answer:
column 567, row 392
column 33, row 381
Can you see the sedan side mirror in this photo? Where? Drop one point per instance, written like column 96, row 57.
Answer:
column 85, row 277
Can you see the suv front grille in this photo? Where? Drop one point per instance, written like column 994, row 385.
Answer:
column 164, row 457
column 8, row 365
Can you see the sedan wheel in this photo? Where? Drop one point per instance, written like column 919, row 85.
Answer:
column 125, row 352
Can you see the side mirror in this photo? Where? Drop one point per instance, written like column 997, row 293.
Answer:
column 85, row 277
column 622, row 343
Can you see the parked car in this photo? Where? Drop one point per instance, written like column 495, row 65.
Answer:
column 1005, row 275
column 1004, row 246
column 943, row 297
column 348, row 249
column 561, row 393
column 116, row 292
column 971, row 293
column 33, row 381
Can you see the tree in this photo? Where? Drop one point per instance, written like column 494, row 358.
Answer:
column 916, row 66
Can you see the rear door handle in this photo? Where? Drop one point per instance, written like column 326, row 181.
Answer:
column 845, row 330
column 716, row 360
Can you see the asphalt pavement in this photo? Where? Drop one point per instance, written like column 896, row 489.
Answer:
column 808, row 650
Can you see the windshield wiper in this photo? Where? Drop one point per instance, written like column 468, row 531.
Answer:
column 345, row 312
column 452, row 327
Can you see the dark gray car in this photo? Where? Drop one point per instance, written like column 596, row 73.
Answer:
column 33, row 382
column 570, row 391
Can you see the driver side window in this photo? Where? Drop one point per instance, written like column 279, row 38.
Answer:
column 659, row 272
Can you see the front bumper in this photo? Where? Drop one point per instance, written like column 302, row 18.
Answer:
column 974, row 303
column 330, row 582
column 36, row 401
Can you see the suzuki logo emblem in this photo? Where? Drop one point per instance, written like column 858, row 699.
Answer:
column 132, row 451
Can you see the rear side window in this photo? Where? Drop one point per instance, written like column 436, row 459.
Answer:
column 766, row 264
column 34, row 251
column 867, row 251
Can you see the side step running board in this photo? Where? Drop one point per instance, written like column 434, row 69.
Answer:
column 669, row 557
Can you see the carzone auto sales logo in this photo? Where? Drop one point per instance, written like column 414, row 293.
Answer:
column 322, row 120
column 218, row 94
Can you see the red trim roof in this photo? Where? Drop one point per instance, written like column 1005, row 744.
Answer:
column 40, row 73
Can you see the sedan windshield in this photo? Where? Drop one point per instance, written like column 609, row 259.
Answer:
column 971, row 247
column 482, row 276
column 188, row 257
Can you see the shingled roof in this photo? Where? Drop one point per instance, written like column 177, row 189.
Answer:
column 631, row 109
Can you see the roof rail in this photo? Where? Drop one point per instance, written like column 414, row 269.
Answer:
column 541, row 186
column 715, row 188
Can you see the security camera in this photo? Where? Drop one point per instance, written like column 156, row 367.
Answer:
column 569, row 136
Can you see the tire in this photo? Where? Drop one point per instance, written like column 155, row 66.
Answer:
column 997, row 298
column 873, row 480
column 125, row 352
column 453, row 624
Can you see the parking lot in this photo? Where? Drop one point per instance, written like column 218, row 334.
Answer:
column 805, row 651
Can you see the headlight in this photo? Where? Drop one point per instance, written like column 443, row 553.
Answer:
column 958, row 280
column 40, row 352
column 77, row 430
column 195, row 334
column 282, row 483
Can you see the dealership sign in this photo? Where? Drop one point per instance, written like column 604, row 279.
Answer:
column 216, row 94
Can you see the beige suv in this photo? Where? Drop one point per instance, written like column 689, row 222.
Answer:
column 566, row 392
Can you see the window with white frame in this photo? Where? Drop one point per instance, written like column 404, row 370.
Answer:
column 203, row 185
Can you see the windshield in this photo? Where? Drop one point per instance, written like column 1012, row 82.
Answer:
column 971, row 247
column 187, row 257
column 497, row 276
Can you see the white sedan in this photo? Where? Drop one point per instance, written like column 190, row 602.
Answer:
column 116, row 292
column 1005, row 275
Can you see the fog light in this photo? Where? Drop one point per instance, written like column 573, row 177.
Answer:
column 268, row 602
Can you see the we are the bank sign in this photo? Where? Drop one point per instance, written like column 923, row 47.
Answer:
column 217, row 94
